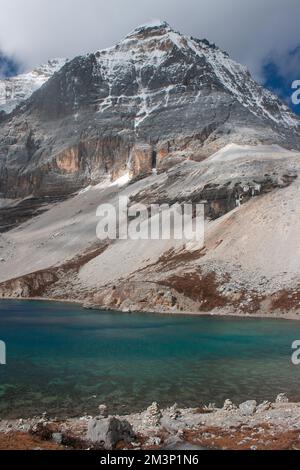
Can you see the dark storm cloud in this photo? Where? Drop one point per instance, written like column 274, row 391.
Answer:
column 250, row 30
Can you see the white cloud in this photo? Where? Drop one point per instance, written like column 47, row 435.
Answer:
column 250, row 30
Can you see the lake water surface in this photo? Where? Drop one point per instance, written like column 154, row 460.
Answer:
column 66, row 360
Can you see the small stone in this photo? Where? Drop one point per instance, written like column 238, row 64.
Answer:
column 57, row 437
column 103, row 412
column 229, row 406
column 264, row 406
column 248, row 408
column 282, row 398
column 210, row 408
column 174, row 412
column 154, row 441
column 172, row 443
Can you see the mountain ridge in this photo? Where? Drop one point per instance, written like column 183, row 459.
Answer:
column 16, row 89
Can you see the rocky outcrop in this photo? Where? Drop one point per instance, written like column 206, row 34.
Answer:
column 248, row 408
column 29, row 286
column 142, row 160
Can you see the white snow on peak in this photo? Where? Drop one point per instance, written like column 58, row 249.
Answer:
column 237, row 79
column 154, row 24
column 138, row 53
column 16, row 89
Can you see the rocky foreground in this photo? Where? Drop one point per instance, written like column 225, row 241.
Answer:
column 249, row 426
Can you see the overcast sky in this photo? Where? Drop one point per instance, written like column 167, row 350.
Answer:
column 253, row 31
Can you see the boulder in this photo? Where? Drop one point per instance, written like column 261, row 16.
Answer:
column 109, row 431
column 248, row 408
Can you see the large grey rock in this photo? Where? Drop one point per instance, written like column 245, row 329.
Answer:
column 108, row 432
column 248, row 408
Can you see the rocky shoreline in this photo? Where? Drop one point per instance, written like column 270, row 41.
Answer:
column 217, row 312
column 249, row 426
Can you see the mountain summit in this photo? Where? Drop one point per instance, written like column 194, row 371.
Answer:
column 155, row 99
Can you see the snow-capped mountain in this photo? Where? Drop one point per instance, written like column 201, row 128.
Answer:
column 160, row 60
column 16, row 89
column 153, row 100
column 181, row 112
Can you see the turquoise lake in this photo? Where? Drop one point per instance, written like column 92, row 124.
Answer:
column 66, row 360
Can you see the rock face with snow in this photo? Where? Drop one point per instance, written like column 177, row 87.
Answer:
column 153, row 100
column 14, row 90
column 159, row 118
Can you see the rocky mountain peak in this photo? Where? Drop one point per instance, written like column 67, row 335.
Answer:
column 161, row 30
column 157, row 27
column 156, row 57
column 156, row 98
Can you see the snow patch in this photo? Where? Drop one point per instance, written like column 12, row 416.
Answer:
column 122, row 181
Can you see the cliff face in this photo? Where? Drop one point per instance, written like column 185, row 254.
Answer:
column 152, row 101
